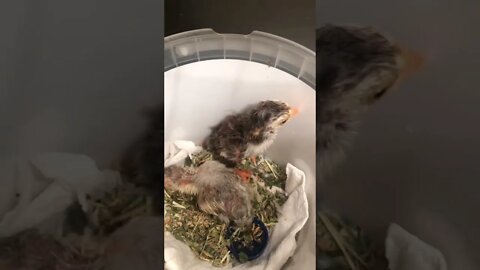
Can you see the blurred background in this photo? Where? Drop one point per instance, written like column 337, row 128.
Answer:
column 291, row 20
column 74, row 77
column 75, row 74
column 415, row 161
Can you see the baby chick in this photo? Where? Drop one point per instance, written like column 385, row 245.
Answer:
column 219, row 190
column 249, row 133
column 356, row 66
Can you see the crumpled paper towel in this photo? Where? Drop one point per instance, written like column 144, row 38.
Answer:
column 405, row 251
column 178, row 151
column 47, row 184
column 282, row 244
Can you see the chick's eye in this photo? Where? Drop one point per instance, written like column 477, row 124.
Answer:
column 380, row 94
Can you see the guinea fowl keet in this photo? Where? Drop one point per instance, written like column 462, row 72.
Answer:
column 220, row 192
column 247, row 134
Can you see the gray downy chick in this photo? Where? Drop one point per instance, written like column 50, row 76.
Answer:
column 355, row 67
column 248, row 133
column 223, row 193
column 220, row 192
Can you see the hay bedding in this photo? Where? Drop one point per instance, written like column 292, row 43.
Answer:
column 204, row 233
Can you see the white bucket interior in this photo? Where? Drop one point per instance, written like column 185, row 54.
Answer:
column 200, row 94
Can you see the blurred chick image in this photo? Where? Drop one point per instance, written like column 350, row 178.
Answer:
column 356, row 66
column 220, row 192
column 247, row 134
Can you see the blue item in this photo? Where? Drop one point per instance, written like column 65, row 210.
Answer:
column 254, row 250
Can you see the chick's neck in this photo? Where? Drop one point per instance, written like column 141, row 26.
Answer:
column 337, row 117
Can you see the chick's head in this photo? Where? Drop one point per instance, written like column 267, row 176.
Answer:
column 178, row 178
column 355, row 64
column 272, row 114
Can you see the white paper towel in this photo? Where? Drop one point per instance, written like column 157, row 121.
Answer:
column 47, row 184
column 282, row 244
column 405, row 251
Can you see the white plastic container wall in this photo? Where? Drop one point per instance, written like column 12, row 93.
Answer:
column 243, row 70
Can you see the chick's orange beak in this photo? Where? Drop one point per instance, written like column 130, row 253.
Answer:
column 293, row 111
column 414, row 62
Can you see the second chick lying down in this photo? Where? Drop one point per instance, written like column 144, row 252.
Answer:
column 220, row 192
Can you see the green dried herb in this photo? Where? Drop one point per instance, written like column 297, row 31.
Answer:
column 118, row 207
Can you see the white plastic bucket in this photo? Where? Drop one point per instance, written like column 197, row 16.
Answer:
column 242, row 70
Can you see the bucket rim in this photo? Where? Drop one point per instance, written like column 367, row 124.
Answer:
column 205, row 44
